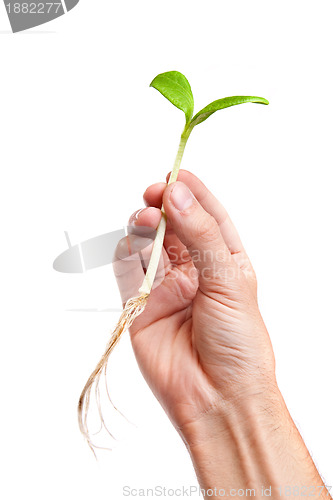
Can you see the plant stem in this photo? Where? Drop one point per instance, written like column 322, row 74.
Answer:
column 159, row 238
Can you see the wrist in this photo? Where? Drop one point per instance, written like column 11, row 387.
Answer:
column 237, row 412
column 249, row 442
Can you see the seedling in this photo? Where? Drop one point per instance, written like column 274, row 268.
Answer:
column 174, row 87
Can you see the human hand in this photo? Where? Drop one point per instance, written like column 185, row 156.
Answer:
column 201, row 342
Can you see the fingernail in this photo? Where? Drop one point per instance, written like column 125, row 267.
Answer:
column 181, row 196
column 134, row 217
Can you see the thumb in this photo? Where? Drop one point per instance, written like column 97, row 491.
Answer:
column 201, row 235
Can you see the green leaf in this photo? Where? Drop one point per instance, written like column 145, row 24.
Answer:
column 175, row 87
column 226, row 102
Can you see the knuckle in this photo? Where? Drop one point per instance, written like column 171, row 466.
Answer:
column 206, row 229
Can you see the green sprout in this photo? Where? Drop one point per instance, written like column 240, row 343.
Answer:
column 175, row 87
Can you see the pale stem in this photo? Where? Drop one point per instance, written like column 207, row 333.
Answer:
column 159, row 238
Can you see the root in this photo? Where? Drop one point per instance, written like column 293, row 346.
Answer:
column 133, row 308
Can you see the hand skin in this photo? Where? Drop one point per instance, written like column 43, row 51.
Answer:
column 204, row 350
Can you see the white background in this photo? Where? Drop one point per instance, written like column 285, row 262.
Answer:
column 82, row 136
